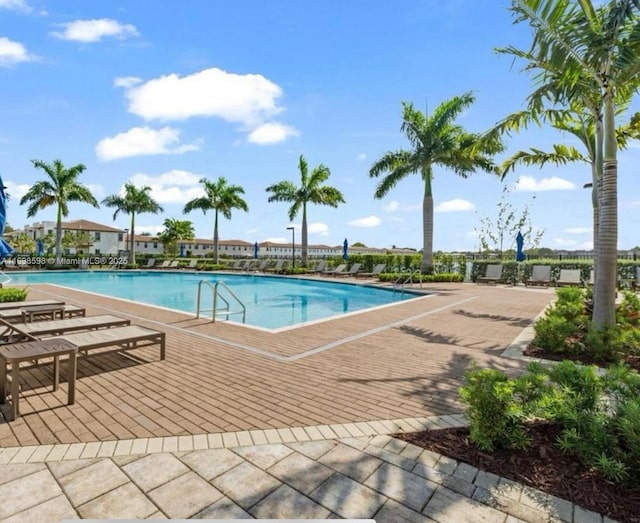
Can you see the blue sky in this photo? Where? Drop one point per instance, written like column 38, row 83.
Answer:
column 163, row 93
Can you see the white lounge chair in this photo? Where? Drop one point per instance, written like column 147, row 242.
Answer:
column 569, row 278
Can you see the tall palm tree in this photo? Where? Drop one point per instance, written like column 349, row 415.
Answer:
column 435, row 140
column 219, row 197
column 135, row 200
column 61, row 188
column 174, row 231
column 310, row 190
column 576, row 49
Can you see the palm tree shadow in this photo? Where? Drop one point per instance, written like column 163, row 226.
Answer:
column 512, row 320
column 432, row 337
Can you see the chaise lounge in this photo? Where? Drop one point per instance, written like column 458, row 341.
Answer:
column 492, row 275
column 540, row 275
column 38, row 329
column 569, row 278
column 377, row 270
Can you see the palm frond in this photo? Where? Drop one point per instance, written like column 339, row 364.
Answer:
column 561, row 155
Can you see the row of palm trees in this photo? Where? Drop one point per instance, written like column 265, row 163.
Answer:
column 585, row 62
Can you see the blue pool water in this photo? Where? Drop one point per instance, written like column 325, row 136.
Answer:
column 271, row 302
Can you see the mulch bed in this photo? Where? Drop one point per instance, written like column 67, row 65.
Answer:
column 543, row 466
column 538, row 352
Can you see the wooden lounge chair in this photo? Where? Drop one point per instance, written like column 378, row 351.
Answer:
column 337, row 271
column 569, row 278
column 377, row 270
column 19, row 304
column 42, row 328
column 540, row 275
column 353, row 270
column 125, row 338
column 164, row 265
column 174, row 264
column 42, row 312
column 493, row 275
column 150, row 263
column 192, row 265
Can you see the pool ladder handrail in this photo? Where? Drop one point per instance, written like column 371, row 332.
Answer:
column 214, row 311
column 7, row 280
column 406, row 279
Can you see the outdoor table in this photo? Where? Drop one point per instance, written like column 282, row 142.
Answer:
column 15, row 353
column 48, row 311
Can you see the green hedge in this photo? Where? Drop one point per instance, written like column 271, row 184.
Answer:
column 13, row 294
column 422, row 278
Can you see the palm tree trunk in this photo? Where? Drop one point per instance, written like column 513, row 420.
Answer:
column 596, row 178
column 131, row 239
column 304, row 235
column 59, row 234
column 215, row 238
column 427, row 223
column 605, row 283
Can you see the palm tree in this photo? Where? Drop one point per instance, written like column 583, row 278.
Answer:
column 435, row 140
column 310, row 190
column 135, row 200
column 219, row 197
column 61, row 188
column 579, row 51
column 174, row 231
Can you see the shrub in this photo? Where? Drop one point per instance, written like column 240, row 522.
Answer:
column 13, row 294
column 552, row 333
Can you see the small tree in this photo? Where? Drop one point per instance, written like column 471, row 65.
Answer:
column 174, row 231
column 22, row 243
column 494, row 232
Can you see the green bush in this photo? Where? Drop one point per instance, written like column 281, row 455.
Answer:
column 13, row 294
column 552, row 333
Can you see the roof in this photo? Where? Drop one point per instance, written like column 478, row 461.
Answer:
column 86, row 225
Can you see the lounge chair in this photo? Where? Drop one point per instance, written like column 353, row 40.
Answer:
column 569, row 278
column 261, row 266
column 353, row 270
column 174, row 264
column 337, row 271
column 150, row 263
column 66, row 311
column 165, row 264
column 42, row 328
column 377, row 270
column 237, row 266
column 31, row 303
column 126, row 338
column 277, row 267
column 192, row 265
column 540, row 275
column 320, row 266
column 492, row 275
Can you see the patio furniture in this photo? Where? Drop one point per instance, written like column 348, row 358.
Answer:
column 150, row 263
column 277, row 267
column 192, row 264
column 165, row 264
column 492, row 275
column 237, row 266
column 338, row 270
column 41, row 328
column 174, row 264
column 13, row 315
column 353, row 270
column 52, row 311
column 261, row 266
column 126, row 338
column 377, row 270
column 15, row 353
column 569, row 278
column 540, row 275
column 19, row 304
column 320, row 266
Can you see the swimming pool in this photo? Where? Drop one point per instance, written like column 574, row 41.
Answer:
column 271, row 302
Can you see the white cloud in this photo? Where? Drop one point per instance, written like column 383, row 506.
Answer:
column 321, row 229
column 127, row 81
column 278, row 239
column 362, row 157
column 13, row 53
column 369, row 221
column 18, row 5
column 392, row 206
column 572, row 244
column 578, row 230
column 96, row 189
column 250, row 99
column 455, row 205
column 175, row 186
column 139, row 141
column 15, row 190
column 529, row 183
column 154, row 230
column 251, row 232
column 89, row 31
column 272, row 132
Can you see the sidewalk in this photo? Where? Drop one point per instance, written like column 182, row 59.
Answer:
column 207, row 477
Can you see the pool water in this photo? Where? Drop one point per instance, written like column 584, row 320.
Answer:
column 271, row 302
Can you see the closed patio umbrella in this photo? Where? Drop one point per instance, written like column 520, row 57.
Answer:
column 256, row 248
column 345, row 249
column 520, row 256
column 5, row 248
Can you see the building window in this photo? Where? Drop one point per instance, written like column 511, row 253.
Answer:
column 120, row 237
column 155, row 245
column 97, row 251
column 145, row 245
column 96, row 236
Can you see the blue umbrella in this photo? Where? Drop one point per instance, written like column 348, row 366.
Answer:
column 5, row 248
column 520, row 256
column 182, row 250
column 40, row 248
column 256, row 248
column 345, row 249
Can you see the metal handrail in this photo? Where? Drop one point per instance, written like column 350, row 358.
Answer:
column 214, row 310
column 7, row 280
column 406, row 279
